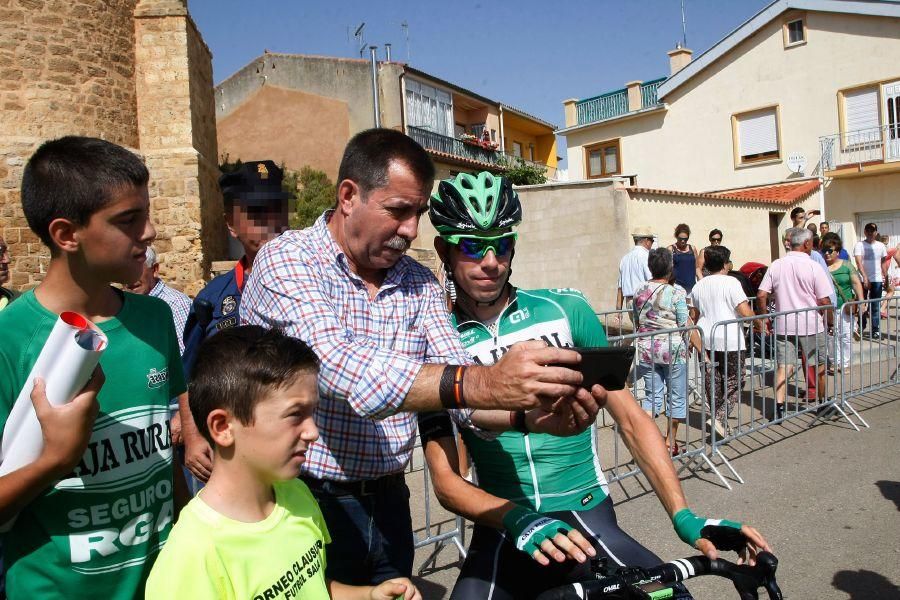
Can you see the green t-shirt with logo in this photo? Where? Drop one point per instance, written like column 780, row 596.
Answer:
column 96, row 533
column 542, row 472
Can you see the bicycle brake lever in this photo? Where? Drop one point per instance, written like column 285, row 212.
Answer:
column 747, row 580
column 769, row 564
column 773, row 590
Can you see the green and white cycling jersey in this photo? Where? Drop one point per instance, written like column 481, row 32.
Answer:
column 539, row 471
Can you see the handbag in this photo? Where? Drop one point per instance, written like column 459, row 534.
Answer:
column 853, row 308
column 672, row 345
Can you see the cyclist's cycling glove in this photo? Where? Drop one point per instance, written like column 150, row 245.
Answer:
column 529, row 529
column 691, row 528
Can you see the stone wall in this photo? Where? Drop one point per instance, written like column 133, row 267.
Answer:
column 176, row 120
column 136, row 73
column 67, row 68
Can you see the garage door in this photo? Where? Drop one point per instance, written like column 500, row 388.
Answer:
column 888, row 223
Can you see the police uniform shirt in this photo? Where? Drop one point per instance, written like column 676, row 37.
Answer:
column 224, row 295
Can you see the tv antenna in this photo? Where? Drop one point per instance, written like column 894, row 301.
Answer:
column 683, row 27
column 360, row 37
column 405, row 27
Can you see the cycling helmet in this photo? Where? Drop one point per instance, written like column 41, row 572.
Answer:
column 474, row 205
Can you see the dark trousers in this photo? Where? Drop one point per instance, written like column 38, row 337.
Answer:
column 370, row 528
column 875, row 290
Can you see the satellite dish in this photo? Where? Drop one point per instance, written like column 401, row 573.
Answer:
column 796, row 162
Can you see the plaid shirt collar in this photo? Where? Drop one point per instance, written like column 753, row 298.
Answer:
column 331, row 252
column 157, row 289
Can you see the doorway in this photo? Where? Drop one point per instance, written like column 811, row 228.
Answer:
column 775, row 245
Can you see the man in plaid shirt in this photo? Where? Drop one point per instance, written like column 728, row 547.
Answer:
column 151, row 285
column 378, row 321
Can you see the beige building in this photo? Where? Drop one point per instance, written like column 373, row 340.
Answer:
column 137, row 73
column 798, row 105
column 301, row 110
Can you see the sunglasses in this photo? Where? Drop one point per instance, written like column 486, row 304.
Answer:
column 477, row 247
column 715, row 239
column 829, row 251
column 682, row 239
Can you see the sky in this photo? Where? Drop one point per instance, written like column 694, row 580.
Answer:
column 526, row 53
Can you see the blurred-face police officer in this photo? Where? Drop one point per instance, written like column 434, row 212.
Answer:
column 256, row 210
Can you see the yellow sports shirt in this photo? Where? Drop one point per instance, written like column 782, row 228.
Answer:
column 211, row 556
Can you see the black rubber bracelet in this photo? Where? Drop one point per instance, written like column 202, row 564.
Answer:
column 445, row 390
column 519, row 423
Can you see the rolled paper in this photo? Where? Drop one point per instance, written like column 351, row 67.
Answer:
column 66, row 361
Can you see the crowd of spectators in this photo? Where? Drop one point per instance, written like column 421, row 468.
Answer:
column 815, row 262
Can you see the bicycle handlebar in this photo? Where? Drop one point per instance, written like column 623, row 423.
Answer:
column 746, row 579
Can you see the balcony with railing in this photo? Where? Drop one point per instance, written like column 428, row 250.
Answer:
column 649, row 93
column 852, row 151
column 466, row 151
column 600, row 108
column 615, row 104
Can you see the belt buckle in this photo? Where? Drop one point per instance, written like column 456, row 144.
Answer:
column 365, row 487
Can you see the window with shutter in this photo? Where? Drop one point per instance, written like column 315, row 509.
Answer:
column 757, row 135
column 861, row 109
column 862, row 123
column 429, row 107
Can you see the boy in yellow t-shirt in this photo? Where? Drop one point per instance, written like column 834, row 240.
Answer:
column 255, row 531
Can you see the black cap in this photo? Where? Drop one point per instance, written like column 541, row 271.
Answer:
column 256, row 183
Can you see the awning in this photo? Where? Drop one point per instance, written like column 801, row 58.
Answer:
column 784, row 193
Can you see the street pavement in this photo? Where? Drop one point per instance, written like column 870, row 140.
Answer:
column 826, row 497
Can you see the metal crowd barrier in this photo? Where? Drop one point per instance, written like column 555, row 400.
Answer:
column 873, row 366
column 881, row 367
column 616, row 319
column 693, row 440
column 457, row 535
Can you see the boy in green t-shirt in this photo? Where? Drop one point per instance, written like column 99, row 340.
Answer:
column 255, row 530
column 91, row 513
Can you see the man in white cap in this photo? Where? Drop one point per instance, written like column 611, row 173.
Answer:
column 633, row 269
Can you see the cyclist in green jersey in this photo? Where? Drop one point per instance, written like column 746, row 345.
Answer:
column 542, row 507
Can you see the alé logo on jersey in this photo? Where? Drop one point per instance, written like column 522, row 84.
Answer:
column 518, row 316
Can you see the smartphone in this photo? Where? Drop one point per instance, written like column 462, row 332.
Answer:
column 608, row 366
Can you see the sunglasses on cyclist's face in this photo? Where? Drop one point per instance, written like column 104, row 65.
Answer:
column 477, row 247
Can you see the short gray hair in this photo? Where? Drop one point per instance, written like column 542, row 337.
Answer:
column 798, row 236
column 151, row 258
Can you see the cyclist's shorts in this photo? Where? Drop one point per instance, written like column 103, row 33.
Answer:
column 495, row 570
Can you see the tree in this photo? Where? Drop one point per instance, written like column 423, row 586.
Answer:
column 313, row 192
column 521, row 173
